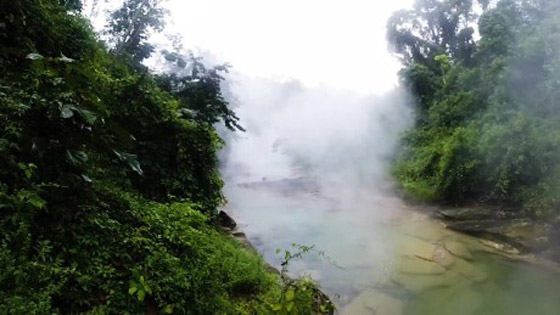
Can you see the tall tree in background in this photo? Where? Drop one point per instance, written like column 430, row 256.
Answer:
column 72, row 4
column 432, row 28
column 131, row 24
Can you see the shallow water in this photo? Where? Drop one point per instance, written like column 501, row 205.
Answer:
column 389, row 259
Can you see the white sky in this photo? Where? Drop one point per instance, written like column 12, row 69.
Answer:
column 338, row 43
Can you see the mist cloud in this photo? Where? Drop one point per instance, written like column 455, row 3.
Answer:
column 337, row 137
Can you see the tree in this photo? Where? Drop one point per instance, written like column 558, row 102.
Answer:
column 487, row 124
column 72, row 4
column 432, row 28
column 199, row 90
column 131, row 24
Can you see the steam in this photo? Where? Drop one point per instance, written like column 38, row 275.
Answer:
column 341, row 139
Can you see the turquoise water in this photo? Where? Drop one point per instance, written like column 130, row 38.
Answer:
column 379, row 257
column 512, row 288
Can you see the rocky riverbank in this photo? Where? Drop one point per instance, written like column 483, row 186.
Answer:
column 229, row 225
column 509, row 231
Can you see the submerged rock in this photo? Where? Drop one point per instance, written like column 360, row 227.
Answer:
column 442, row 257
column 458, row 249
column 470, row 271
column 374, row 302
column 414, row 247
column 414, row 265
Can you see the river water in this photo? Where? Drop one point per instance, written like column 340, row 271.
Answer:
column 383, row 257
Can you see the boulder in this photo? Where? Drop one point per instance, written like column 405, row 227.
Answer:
column 225, row 221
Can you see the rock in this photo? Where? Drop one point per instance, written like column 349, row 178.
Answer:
column 442, row 257
column 476, row 214
column 224, row 220
column 501, row 247
column 477, row 227
column 514, row 233
column 415, row 265
column 458, row 249
column 374, row 302
column 530, row 234
column 239, row 234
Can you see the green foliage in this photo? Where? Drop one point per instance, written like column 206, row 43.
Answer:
column 199, row 90
column 487, row 127
column 119, row 253
column 432, row 28
column 107, row 188
column 301, row 295
column 131, row 24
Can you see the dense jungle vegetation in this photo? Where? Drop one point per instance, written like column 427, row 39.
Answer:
column 486, row 75
column 109, row 185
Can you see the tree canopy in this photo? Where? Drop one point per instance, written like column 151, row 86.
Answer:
column 488, row 112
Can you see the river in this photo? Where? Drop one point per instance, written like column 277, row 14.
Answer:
column 384, row 257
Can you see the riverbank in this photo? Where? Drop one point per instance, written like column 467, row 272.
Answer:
column 322, row 304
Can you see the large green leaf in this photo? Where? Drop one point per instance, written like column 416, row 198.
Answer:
column 76, row 157
column 131, row 160
column 89, row 116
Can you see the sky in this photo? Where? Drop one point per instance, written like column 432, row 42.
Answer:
column 339, row 44
column 312, row 80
